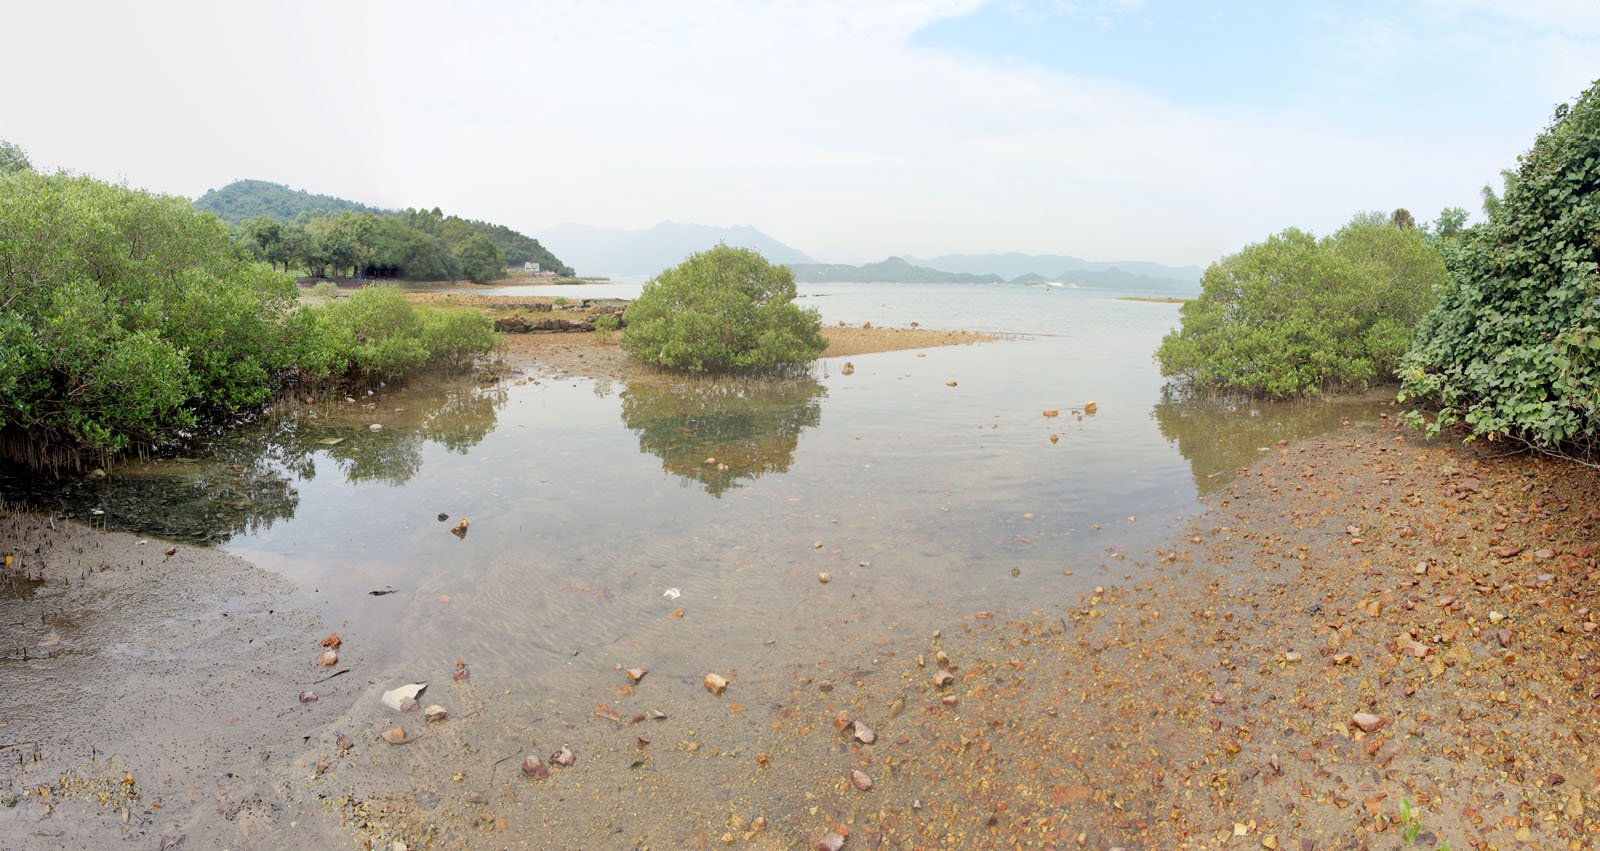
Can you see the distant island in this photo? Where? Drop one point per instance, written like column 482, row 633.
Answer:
column 894, row 270
column 642, row 253
column 898, row 270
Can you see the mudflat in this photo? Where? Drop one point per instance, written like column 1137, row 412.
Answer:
column 1357, row 620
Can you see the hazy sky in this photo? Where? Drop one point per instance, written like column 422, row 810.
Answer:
column 1169, row 131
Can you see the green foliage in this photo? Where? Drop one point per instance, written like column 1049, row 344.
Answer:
column 124, row 313
column 1296, row 316
column 723, row 309
column 339, row 235
column 13, row 158
column 480, row 260
column 325, row 289
column 1513, row 348
column 1411, row 825
column 377, row 335
column 245, row 199
column 605, row 327
column 126, row 316
column 1451, row 223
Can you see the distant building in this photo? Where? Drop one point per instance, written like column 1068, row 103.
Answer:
column 530, row 266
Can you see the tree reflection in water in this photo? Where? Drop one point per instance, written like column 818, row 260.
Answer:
column 239, row 480
column 1220, row 433
column 750, row 425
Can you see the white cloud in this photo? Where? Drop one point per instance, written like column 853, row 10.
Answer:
column 816, row 122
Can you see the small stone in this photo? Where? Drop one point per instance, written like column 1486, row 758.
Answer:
column 328, row 658
column 824, row 577
column 535, row 768
column 860, row 780
column 395, row 736
column 434, row 712
column 564, row 757
column 817, row 545
column 1292, row 656
column 375, row 427
column 841, row 721
column 948, row 700
column 1054, row 438
column 715, row 684
column 943, row 678
column 410, row 707
column 1496, row 617
column 1367, row 722
column 830, row 842
column 1543, row 554
column 1507, row 551
column 848, row 369
column 1090, row 407
column 1503, row 636
column 1051, row 412
column 308, row 697
column 949, row 384
column 344, row 742
column 941, row 659
column 1270, row 842
column 636, row 674
column 865, row 734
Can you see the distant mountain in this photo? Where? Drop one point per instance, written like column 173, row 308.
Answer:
column 894, row 270
column 1125, row 282
column 1014, row 265
column 615, row 251
column 897, row 270
column 244, row 199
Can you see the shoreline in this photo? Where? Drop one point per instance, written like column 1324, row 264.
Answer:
column 1449, row 594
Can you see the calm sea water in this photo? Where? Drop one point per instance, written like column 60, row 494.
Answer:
column 594, row 514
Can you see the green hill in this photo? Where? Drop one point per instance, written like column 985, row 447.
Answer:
column 245, row 199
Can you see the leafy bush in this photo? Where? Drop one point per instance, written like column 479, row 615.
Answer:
column 123, row 312
column 1296, row 316
column 125, row 316
column 723, row 309
column 325, row 289
column 377, row 335
column 1513, row 348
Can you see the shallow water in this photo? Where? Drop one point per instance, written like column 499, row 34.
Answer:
column 595, row 515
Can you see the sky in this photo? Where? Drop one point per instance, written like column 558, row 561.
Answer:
column 1175, row 132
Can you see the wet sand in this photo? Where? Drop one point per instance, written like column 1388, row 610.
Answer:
column 1447, row 592
column 152, row 699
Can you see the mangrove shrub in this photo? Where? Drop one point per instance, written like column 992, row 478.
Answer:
column 122, row 312
column 1296, row 315
column 720, row 310
column 125, row 316
column 1513, row 347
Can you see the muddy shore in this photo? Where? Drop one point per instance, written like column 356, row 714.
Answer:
column 1357, row 620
